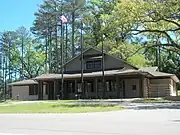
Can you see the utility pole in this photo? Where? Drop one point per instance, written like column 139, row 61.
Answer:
column 9, row 66
column 56, row 41
column 103, row 78
column 9, row 55
column 5, row 83
column 22, row 57
column 3, row 68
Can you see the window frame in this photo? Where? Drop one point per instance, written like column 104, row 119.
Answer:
column 93, row 64
column 33, row 90
column 134, row 87
column 71, row 87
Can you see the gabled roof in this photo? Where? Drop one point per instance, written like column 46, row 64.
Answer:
column 23, row 83
column 96, row 49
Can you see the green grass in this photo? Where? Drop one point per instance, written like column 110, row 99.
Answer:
column 57, row 108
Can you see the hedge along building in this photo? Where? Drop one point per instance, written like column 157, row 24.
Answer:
column 122, row 80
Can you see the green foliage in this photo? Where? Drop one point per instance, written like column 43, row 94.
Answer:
column 147, row 18
column 138, row 60
column 153, row 24
column 132, row 53
column 32, row 60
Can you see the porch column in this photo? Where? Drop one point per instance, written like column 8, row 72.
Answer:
column 75, row 86
column 141, row 86
column 85, row 90
column 40, row 90
column 118, row 86
column 95, row 88
column 47, row 89
column 65, row 90
column 55, row 89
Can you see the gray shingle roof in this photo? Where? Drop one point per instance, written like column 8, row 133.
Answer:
column 162, row 74
column 91, row 74
column 47, row 77
column 24, row 82
column 156, row 73
column 149, row 69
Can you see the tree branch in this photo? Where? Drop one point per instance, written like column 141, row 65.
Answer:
column 171, row 21
column 155, row 45
column 159, row 31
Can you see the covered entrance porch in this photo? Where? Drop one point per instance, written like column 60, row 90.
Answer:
column 115, row 86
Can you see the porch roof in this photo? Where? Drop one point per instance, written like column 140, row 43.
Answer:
column 47, row 77
column 153, row 71
column 162, row 74
column 23, row 83
column 91, row 74
column 152, row 74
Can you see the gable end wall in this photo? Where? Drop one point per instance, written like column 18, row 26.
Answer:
column 110, row 62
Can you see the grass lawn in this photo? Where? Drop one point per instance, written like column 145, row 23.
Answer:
column 51, row 107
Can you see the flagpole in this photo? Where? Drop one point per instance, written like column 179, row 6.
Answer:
column 82, row 67
column 63, row 20
column 62, row 69
column 66, row 42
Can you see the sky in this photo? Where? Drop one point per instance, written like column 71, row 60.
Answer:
column 17, row 13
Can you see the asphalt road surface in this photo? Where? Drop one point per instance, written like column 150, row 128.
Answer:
column 126, row 122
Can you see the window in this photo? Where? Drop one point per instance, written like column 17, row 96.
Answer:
column 71, row 87
column 33, row 90
column 79, row 87
column 90, row 87
column 113, row 85
column 95, row 64
column 107, row 86
column 134, row 87
column 100, row 86
column 47, row 89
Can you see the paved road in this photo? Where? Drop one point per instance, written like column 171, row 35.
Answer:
column 127, row 122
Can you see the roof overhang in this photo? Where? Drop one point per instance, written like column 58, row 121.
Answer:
column 24, row 83
column 165, row 75
column 51, row 77
column 175, row 78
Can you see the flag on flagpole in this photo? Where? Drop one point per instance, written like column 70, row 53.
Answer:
column 63, row 19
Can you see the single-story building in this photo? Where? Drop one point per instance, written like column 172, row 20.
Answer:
column 121, row 80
